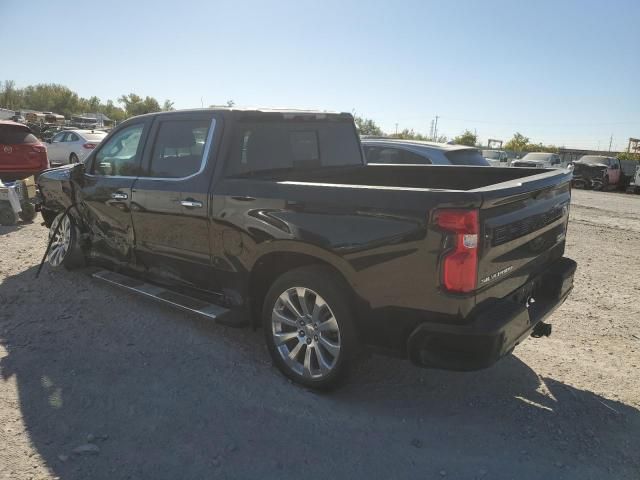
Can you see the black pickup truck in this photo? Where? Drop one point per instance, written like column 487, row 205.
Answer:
column 273, row 219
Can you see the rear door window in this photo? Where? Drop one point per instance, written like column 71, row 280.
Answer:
column 178, row 149
column 260, row 146
column 10, row 135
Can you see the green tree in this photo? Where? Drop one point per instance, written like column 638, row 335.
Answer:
column 167, row 106
column 10, row 96
column 366, row 126
column 467, row 138
column 518, row 143
column 113, row 112
column 51, row 97
column 409, row 134
column 629, row 156
column 135, row 105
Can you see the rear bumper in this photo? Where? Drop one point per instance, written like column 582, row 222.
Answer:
column 496, row 331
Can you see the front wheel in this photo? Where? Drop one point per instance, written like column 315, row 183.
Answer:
column 309, row 327
column 73, row 158
column 65, row 248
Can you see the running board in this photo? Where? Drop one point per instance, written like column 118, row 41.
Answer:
column 169, row 297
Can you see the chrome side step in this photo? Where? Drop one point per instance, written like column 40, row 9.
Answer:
column 178, row 300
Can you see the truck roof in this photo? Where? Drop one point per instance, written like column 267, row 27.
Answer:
column 285, row 113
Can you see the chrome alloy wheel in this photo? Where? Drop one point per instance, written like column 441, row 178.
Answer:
column 61, row 241
column 305, row 332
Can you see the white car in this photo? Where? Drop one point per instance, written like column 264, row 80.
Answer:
column 73, row 146
column 496, row 158
column 539, row 160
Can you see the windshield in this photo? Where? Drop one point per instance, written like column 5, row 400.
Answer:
column 537, row 157
column 491, row 154
column 467, row 156
column 593, row 159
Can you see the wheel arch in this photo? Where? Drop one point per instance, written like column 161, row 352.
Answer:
column 270, row 265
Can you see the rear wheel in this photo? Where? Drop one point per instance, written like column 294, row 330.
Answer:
column 309, row 327
column 73, row 158
column 65, row 248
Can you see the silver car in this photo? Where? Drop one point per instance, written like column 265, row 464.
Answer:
column 395, row 151
column 73, row 146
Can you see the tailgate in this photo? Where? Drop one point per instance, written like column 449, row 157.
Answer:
column 523, row 227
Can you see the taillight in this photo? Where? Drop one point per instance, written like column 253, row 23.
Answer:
column 460, row 265
column 39, row 148
column 90, row 146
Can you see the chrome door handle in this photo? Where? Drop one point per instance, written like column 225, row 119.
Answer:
column 119, row 196
column 191, row 203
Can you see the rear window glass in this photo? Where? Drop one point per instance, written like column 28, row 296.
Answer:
column 178, row 148
column 94, row 136
column 274, row 145
column 466, row 157
column 593, row 159
column 16, row 135
column 537, row 157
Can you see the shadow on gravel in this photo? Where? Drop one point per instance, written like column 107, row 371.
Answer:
column 6, row 229
column 164, row 396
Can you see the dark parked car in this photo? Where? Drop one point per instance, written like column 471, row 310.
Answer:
column 412, row 152
column 272, row 219
column 21, row 153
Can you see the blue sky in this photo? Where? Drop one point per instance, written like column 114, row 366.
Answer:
column 562, row 72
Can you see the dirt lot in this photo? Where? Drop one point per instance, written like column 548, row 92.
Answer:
column 153, row 394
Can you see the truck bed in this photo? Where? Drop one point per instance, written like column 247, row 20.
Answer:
column 432, row 177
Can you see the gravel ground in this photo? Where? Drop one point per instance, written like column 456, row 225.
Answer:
column 144, row 392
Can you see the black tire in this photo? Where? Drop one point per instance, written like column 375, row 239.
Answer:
column 64, row 252
column 73, row 158
column 28, row 213
column 605, row 184
column 320, row 282
column 7, row 216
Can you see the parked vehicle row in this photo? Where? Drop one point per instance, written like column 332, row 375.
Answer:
column 274, row 219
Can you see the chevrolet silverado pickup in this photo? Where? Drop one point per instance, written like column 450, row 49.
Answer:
column 273, row 219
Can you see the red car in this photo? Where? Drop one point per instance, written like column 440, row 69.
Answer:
column 21, row 153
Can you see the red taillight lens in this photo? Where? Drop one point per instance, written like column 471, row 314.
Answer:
column 89, row 146
column 460, row 265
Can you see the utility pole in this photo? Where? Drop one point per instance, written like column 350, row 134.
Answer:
column 610, row 141
column 435, row 129
column 396, row 129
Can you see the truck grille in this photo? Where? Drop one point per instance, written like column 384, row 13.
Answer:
column 518, row 229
